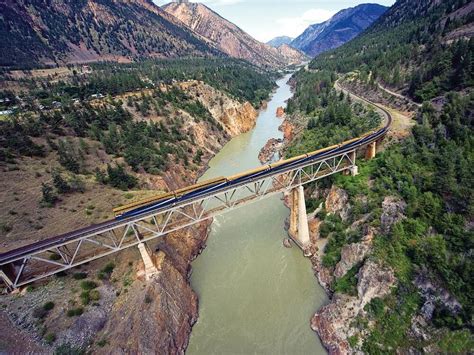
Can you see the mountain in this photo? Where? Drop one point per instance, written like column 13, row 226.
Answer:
column 64, row 31
column 339, row 29
column 429, row 46
column 225, row 35
column 278, row 41
column 292, row 55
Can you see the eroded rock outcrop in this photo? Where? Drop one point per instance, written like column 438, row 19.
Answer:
column 374, row 281
column 225, row 35
column 337, row 202
column 288, row 130
column 433, row 294
column 235, row 117
column 393, row 209
column 330, row 322
column 155, row 317
column 280, row 112
column 353, row 254
column 333, row 321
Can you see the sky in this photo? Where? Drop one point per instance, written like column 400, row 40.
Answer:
column 266, row 19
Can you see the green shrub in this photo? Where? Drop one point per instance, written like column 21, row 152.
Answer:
column 109, row 268
column 85, row 297
column 75, row 312
column 457, row 342
column 40, row 312
column 101, row 343
column 54, row 257
column 94, row 295
column 88, row 285
column 79, row 276
column 353, row 341
column 375, row 308
column 5, row 227
column 48, row 306
column 348, row 283
column 49, row 338
column 68, row 349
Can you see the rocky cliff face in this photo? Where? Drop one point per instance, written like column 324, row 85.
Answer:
column 333, row 322
column 85, row 31
column 291, row 55
column 341, row 28
column 154, row 317
column 226, row 36
column 235, row 117
column 337, row 202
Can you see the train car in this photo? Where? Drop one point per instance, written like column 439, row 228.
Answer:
column 247, row 173
column 287, row 161
column 126, row 210
column 120, row 210
column 204, row 184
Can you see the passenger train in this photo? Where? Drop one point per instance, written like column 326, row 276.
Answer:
column 171, row 198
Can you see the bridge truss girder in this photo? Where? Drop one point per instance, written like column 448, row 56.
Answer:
column 88, row 247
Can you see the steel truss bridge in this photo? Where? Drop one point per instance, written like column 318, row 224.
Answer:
column 51, row 256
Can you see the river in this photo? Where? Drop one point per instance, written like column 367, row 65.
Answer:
column 255, row 296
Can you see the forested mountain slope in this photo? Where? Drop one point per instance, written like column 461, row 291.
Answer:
column 396, row 241
column 38, row 32
column 424, row 46
column 341, row 28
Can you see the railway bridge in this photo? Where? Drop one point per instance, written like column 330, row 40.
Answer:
column 137, row 224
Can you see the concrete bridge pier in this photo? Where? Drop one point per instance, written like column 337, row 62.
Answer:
column 299, row 230
column 150, row 267
column 293, row 230
column 353, row 169
column 303, row 229
column 371, row 150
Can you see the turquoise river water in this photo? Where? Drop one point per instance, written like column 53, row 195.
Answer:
column 255, row 296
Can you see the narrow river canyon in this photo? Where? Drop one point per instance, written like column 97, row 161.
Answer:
column 255, row 295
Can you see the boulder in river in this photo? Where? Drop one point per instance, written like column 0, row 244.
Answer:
column 280, row 112
column 269, row 150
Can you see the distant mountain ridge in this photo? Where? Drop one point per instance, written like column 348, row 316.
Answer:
column 60, row 32
column 278, row 41
column 341, row 28
column 226, row 36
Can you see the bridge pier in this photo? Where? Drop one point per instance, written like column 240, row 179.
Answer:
column 303, row 229
column 354, row 169
column 371, row 150
column 293, row 230
column 299, row 230
column 150, row 267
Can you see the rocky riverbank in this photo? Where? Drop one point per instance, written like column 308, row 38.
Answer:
column 335, row 322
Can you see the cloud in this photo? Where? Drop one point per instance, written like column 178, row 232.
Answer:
column 294, row 26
